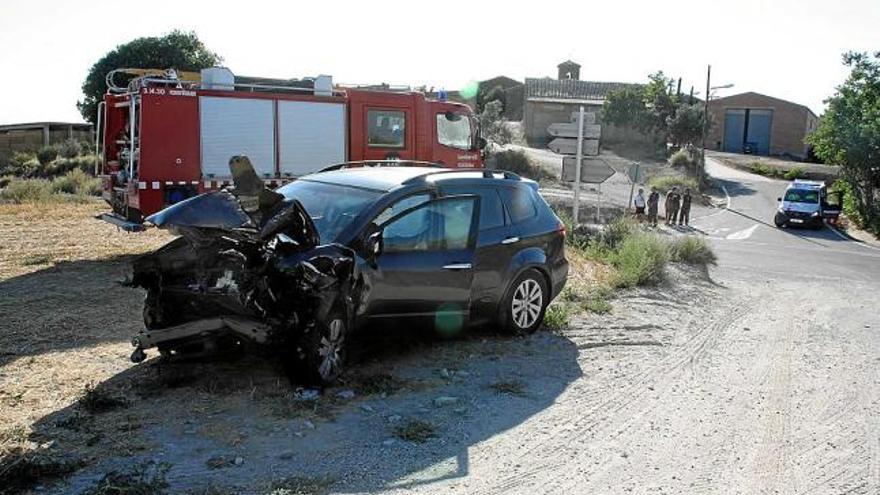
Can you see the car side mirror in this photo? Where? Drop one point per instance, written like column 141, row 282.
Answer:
column 372, row 244
column 779, row 199
column 481, row 143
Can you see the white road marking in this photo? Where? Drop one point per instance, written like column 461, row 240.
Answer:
column 742, row 234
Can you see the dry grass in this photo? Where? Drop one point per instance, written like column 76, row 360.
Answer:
column 65, row 319
column 63, row 232
column 415, row 431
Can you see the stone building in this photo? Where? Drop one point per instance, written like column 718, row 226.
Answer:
column 33, row 136
column 759, row 124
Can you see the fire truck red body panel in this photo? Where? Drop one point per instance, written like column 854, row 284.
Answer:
column 170, row 161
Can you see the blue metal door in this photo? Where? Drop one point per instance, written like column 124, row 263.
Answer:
column 734, row 128
column 758, row 137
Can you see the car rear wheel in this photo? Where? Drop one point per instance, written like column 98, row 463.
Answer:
column 523, row 309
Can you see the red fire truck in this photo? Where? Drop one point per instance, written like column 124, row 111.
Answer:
column 167, row 136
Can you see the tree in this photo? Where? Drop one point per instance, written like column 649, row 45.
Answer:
column 493, row 125
column 178, row 50
column 626, row 108
column 646, row 108
column 685, row 126
column 486, row 95
column 849, row 133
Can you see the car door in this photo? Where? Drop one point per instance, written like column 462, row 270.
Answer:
column 425, row 261
column 496, row 244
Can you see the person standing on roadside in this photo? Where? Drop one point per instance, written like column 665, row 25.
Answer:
column 684, row 216
column 673, row 202
column 639, row 203
column 653, row 206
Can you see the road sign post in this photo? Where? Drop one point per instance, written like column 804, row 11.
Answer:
column 577, row 168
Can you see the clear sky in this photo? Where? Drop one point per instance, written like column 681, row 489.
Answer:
column 785, row 48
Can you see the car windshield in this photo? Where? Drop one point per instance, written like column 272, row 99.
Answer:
column 802, row 196
column 331, row 206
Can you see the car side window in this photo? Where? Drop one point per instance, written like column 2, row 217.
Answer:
column 401, row 205
column 437, row 225
column 491, row 211
column 520, row 203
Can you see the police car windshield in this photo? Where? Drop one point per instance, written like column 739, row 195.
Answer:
column 802, row 196
column 332, row 207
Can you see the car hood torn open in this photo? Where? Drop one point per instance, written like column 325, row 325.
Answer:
column 248, row 267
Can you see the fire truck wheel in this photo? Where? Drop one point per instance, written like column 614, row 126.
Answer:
column 134, row 215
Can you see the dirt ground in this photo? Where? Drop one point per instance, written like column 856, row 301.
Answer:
column 691, row 387
column 235, row 422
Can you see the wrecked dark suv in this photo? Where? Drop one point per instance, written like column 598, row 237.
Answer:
column 298, row 268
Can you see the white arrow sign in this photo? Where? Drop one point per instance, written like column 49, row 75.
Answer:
column 591, row 131
column 593, row 170
column 589, row 118
column 568, row 146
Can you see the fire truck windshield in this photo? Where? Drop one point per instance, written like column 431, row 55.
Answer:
column 454, row 130
column 332, row 207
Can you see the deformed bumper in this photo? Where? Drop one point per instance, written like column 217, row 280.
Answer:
column 149, row 338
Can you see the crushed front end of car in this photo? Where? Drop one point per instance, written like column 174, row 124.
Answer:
column 247, row 268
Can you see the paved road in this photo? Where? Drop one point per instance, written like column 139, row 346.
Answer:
column 750, row 244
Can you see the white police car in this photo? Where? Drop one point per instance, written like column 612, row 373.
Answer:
column 805, row 203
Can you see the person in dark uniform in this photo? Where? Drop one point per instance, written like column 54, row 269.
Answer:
column 673, row 203
column 653, row 206
column 684, row 216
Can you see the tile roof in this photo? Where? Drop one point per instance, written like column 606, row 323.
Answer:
column 571, row 89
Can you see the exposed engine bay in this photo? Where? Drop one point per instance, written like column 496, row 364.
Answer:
column 247, row 268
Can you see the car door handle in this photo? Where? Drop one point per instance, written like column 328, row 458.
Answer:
column 510, row 240
column 457, row 266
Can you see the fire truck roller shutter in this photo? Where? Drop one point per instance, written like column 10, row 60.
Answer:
column 311, row 136
column 237, row 126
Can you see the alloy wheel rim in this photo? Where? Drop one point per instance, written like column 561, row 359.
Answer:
column 526, row 303
column 330, row 348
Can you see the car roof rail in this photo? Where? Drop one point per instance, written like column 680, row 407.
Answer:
column 486, row 174
column 380, row 163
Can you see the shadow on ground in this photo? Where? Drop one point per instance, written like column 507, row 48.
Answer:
column 237, row 424
column 68, row 305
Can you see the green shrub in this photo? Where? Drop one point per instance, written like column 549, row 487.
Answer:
column 21, row 164
column 640, row 260
column 70, row 148
column 519, row 163
column 664, row 183
column 795, row 173
column 685, row 158
column 46, row 154
column 692, row 250
column 597, row 299
column 557, row 316
column 618, row 230
column 27, row 191
column 61, row 166
column 77, row 182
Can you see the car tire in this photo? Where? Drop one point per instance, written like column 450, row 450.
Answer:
column 779, row 222
column 522, row 309
column 322, row 350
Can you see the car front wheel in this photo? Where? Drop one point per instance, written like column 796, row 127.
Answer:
column 323, row 350
column 523, row 308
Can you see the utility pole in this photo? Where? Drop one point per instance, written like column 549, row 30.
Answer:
column 577, row 166
column 702, row 172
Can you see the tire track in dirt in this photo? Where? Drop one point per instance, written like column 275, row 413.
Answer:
column 605, row 417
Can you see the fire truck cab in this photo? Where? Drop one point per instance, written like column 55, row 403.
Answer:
column 163, row 139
